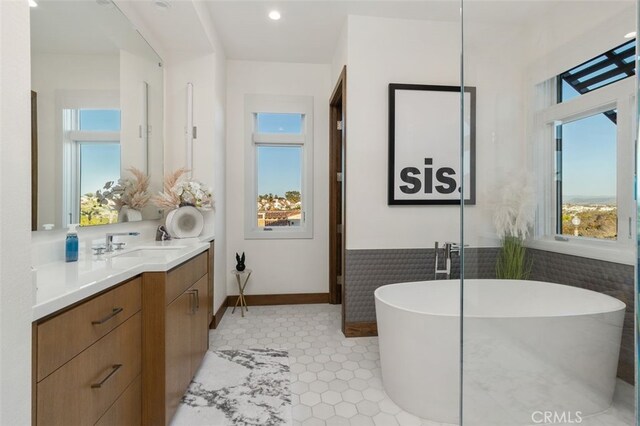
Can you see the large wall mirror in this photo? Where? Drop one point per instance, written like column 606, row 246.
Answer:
column 97, row 100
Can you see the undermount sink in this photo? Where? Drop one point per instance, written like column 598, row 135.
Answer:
column 151, row 251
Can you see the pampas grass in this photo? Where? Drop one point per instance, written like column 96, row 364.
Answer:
column 513, row 262
column 130, row 192
column 136, row 194
column 169, row 198
column 513, row 218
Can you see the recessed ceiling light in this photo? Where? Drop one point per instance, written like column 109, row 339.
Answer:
column 162, row 4
column 632, row 34
column 274, row 15
column 33, row 3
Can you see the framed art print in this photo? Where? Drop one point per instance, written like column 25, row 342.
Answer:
column 424, row 145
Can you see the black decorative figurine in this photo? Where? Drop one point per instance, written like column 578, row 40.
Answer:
column 240, row 266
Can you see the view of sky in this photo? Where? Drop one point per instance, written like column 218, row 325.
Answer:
column 279, row 167
column 99, row 162
column 279, row 123
column 588, row 155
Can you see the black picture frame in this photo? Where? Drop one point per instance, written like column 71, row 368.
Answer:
column 470, row 193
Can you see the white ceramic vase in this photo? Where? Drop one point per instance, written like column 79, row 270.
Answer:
column 185, row 222
column 127, row 214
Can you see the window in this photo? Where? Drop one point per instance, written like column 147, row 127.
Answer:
column 92, row 154
column 279, row 167
column 279, row 185
column 586, row 177
column 585, row 156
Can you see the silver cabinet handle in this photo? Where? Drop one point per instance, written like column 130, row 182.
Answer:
column 197, row 299
column 113, row 313
column 114, row 369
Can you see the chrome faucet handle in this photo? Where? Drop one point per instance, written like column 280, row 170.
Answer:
column 455, row 247
column 98, row 250
column 119, row 246
column 109, row 239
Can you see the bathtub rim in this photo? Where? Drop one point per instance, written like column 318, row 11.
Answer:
column 621, row 305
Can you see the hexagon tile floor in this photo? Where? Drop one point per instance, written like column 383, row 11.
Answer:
column 337, row 381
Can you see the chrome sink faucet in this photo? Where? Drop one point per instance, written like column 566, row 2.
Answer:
column 109, row 240
column 449, row 249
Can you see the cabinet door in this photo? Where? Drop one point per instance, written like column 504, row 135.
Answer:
column 178, row 350
column 200, row 324
column 127, row 410
column 82, row 390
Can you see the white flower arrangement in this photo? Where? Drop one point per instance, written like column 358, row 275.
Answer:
column 180, row 191
column 192, row 192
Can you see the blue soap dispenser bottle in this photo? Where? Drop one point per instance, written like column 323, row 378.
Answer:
column 71, row 244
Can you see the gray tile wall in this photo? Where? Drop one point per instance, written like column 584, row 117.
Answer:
column 367, row 270
column 609, row 278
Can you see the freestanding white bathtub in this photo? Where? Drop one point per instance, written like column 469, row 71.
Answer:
column 529, row 347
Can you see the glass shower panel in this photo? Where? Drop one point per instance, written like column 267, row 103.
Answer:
column 549, row 248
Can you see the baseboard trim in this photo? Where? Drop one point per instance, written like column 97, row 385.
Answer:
column 360, row 329
column 280, row 299
column 215, row 322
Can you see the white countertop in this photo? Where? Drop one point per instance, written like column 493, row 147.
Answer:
column 61, row 284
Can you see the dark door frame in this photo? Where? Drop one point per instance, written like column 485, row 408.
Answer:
column 337, row 208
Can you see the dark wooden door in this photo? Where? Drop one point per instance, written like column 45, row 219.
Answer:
column 337, row 175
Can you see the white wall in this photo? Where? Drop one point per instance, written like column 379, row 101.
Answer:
column 207, row 74
column 135, row 70
column 16, row 290
column 340, row 55
column 566, row 40
column 52, row 73
column 279, row 266
column 382, row 51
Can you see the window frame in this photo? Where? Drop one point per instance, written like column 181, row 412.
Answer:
column 256, row 104
column 618, row 95
column 73, row 139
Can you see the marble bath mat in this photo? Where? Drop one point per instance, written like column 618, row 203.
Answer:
column 238, row 388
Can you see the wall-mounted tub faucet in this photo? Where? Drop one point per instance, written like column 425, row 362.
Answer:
column 449, row 249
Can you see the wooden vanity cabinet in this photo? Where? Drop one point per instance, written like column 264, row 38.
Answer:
column 87, row 361
column 175, row 309
column 124, row 357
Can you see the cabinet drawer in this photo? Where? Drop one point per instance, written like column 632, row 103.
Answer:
column 66, row 335
column 127, row 410
column 184, row 276
column 82, row 390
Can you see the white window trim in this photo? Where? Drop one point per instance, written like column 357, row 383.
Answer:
column 620, row 96
column 255, row 104
column 68, row 104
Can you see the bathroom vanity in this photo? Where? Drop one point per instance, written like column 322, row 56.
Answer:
column 117, row 340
